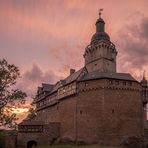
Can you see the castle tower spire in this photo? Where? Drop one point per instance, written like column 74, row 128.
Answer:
column 100, row 55
column 100, row 30
column 100, row 24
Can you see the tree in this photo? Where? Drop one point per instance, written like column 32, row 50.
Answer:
column 32, row 112
column 9, row 96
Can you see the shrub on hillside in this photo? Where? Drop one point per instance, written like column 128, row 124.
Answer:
column 135, row 142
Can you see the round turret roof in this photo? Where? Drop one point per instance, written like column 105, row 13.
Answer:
column 99, row 36
column 100, row 31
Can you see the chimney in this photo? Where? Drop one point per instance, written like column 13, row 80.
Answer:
column 72, row 71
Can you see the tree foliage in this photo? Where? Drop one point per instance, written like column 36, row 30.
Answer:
column 10, row 97
column 32, row 112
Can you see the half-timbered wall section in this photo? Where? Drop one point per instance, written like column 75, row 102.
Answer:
column 53, row 97
column 30, row 128
column 48, row 100
column 67, row 90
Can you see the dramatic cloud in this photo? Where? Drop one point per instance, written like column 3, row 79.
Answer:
column 69, row 56
column 31, row 79
column 34, row 77
column 54, row 33
column 134, row 48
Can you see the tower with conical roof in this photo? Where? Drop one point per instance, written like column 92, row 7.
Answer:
column 101, row 54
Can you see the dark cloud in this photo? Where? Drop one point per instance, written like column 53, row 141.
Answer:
column 144, row 28
column 133, row 48
column 34, row 77
column 35, row 74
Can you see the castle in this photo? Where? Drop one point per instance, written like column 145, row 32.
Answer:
column 92, row 105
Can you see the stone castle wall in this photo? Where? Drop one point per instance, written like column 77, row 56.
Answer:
column 89, row 112
column 110, row 112
column 50, row 114
column 104, row 111
column 67, row 109
column 63, row 112
column 50, row 132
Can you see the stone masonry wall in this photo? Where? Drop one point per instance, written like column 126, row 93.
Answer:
column 50, row 132
column 67, row 110
column 109, row 112
column 63, row 112
column 104, row 111
column 50, row 114
column 89, row 112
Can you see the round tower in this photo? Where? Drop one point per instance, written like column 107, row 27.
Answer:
column 101, row 54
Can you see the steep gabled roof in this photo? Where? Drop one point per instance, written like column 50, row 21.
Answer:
column 47, row 87
column 73, row 77
column 83, row 75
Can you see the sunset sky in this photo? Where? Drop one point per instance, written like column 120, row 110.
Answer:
column 45, row 38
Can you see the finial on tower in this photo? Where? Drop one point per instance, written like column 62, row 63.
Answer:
column 100, row 12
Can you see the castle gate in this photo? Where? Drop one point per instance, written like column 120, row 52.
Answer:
column 31, row 144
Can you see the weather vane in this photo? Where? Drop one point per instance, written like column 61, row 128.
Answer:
column 100, row 10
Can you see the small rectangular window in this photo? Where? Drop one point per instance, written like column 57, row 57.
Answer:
column 124, row 83
column 86, row 84
column 113, row 110
column 117, row 82
column 130, row 83
column 110, row 82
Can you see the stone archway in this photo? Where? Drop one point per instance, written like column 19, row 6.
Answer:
column 31, row 144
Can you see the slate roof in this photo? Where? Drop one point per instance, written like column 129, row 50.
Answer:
column 47, row 87
column 99, row 75
column 88, row 76
column 67, row 80
column 73, row 77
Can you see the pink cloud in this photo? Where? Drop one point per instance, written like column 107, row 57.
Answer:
column 63, row 30
column 55, row 34
column 134, row 48
column 34, row 77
